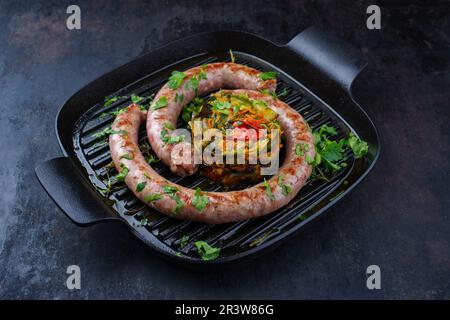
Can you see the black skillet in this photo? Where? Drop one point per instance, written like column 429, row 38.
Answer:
column 317, row 70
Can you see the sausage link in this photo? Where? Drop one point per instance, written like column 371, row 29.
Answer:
column 222, row 207
column 210, row 77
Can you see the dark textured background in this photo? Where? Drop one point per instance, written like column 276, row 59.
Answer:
column 398, row 218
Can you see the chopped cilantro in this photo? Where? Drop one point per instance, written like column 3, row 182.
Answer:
column 123, row 172
column 143, row 222
column 113, row 113
column 153, row 197
column 169, row 126
column 169, row 189
column 267, row 75
column 179, row 203
column 151, row 159
column 359, row 147
column 193, row 108
column 283, row 93
column 179, row 97
column 171, row 139
column 200, row 201
column 206, row 252
column 126, row 156
column 161, row 103
column 268, row 190
column 184, row 241
column 285, row 189
column 106, row 132
column 140, row 186
column 136, row 99
column 329, row 153
column 220, row 106
column 176, row 79
column 110, row 101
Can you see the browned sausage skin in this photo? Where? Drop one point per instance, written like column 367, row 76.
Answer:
column 222, row 207
column 210, row 77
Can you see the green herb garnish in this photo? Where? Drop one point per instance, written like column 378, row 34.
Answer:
column 179, row 203
column 110, row 101
column 268, row 190
column 283, row 93
column 285, row 189
column 151, row 159
column 200, row 201
column 206, row 252
column 123, row 172
column 136, row 99
column 153, row 197
column 126, row 156
column 140, row 186
column 170, row 189
column 220, row 106
column 143, row 222
column 171, row 139
column 179, row 97
column 114, row 113
column 232, row 56
column 176, row 79
column 192, row 108
column 330, row 152
column 161, row 103
column 194, row 82
column 358, row 146
column 184, row 241
column 267, row 75
column 108, row 131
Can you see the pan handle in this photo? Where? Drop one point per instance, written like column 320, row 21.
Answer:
column 331, row 55
column 64, row 183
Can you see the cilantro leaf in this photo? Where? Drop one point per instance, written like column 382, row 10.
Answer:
column 169, row 126
column 206, row 252
column 232, row 56
column 108, row 131
column 179, row 203
column 184, row 241
column 200, row 201
column 136, row 99
column 176, row 79
column 327, row 129
column 140, row 186
column 153, row 197
column 359, row 147
column 285, row 189
column 267, row 75
column 110, row 101
column 126, row 156
column 123, row 172
column 191, row 109
column 170, row 189
column 151, row 159
column 268, row 190
column 220, row 106
column 161, row 103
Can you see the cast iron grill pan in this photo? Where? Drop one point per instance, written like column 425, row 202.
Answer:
column 168, row 235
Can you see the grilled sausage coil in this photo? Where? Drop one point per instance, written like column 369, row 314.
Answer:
column 222, row 207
